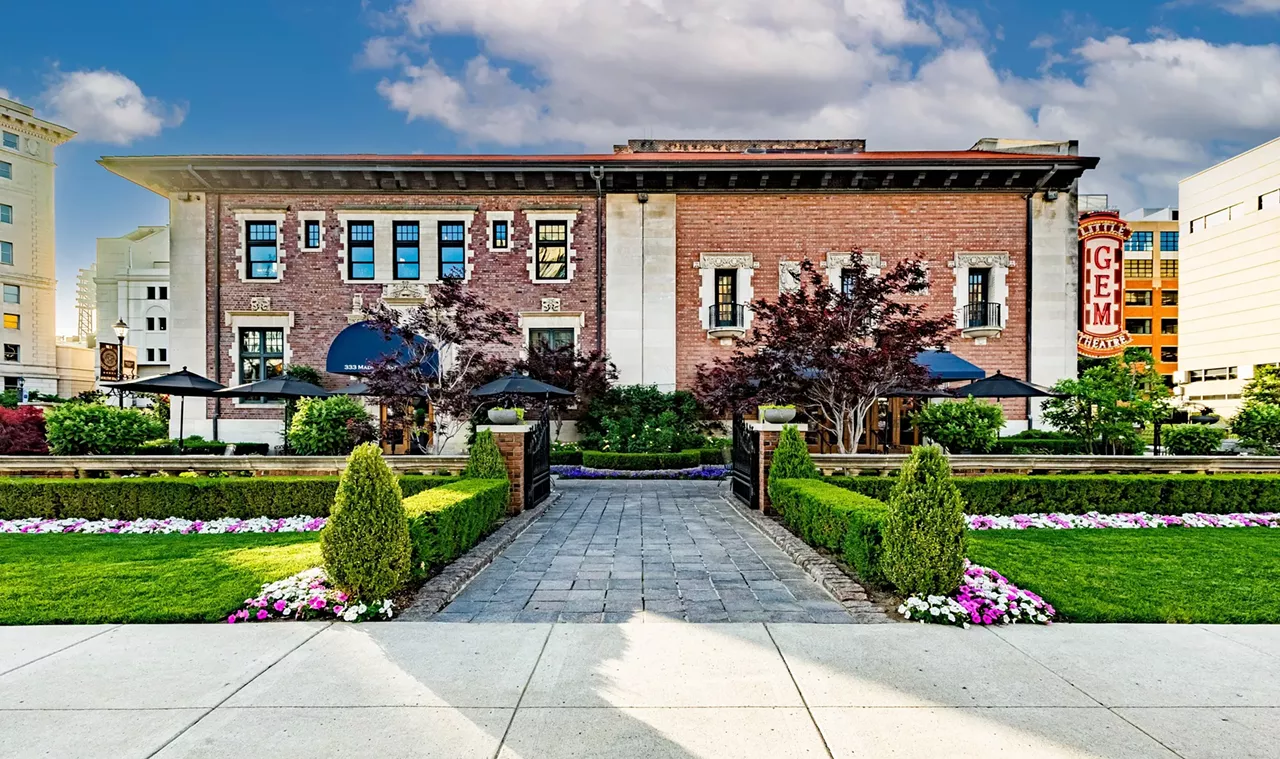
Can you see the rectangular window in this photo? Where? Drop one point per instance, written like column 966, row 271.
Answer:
column 553, row 250
column 261, row 354
column 979, row 284
column 1168, row 326
column 501, row 235
column 551, row 338
column 1168, row 241
column 1169, row 267
column 163, row 323
column 261, row 236
column 1169, row 354
column 151, row 323
column 1138, row 268
column 151, row 354
column 1269, row 200
column 12, row 321
column 311, row 233
column 406, row 249
column 12, row 294
column 164, row 354
column 6, row 214
column 164, row 293
column 6, row 170
column 848, row 284
column 151, row 293
column 11, row 140
column 6, row 253
column 1137, row 297
column 360, row 250
column 1168, row 297
column 453, row 251
column 1221, row 373
column 725, row 313
column 1138, row 326
column 1140, row 241
column 12, row 352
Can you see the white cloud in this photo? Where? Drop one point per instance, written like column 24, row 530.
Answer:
column 1250, row 7
column 4, row 94
column 569, row 71
column 106, row 106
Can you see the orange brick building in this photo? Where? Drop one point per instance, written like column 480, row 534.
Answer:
column 1151, row 285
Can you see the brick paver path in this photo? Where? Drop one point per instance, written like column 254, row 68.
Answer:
column 658, row 550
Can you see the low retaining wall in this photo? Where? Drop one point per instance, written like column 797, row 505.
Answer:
column 90, row 466
column 885, row 464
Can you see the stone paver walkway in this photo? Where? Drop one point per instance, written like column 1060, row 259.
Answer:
column 657, row 551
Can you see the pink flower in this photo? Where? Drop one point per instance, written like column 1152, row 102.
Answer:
column 231, row 620
column 342, row 597
column 338, row 609
column 281, row 605
column 317, row 602
column 263, row 613
column 243, row 614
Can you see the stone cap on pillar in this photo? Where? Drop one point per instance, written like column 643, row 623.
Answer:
column 510, row 428
column 767, row 427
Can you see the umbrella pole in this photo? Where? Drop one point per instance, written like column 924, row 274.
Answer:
column 182, row 412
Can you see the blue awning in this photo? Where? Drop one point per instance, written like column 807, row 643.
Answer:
column 948, row 367
column 358, row 347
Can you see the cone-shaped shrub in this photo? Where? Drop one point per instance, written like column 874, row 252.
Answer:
column 924, row 534
column 484, row 461
column 366, row 541
column 791, row 459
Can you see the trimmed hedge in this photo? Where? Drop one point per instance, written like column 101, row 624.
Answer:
column 186, row 497
column 445, row 522
column 566, row 458
column 1042, row 446
column 1006, row 494
column 706, row 457
column 830, row 517
column 639, row 461
column 200, row 448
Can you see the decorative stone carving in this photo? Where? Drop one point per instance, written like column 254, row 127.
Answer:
column 405, row 291
column 726, row 261
column 357, row 309
column 985, row 260
column 845, row 260
column 260, row 304
column 550, row 305
column 788, row 276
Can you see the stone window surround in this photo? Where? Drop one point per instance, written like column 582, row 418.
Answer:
column 569, row 217
column 528, row 320
column 708, row 263
column 510, row 218
column 242, row 217
column 383, row 250
column 237, row 320
column 303, row 218
column 836, row 261
column 999, row 262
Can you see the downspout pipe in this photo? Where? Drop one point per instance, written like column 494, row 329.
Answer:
column 597, row 174
column 217, row 308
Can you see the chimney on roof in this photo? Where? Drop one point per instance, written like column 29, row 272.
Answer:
column 742, row 146
column 1035, row 147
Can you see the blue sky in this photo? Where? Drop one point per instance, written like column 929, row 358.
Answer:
column 1157, row 89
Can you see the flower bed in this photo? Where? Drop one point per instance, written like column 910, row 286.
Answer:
column 1095, row 520
column 307, row 595
column 985, row 597
column 691, row 473
column 172, row 525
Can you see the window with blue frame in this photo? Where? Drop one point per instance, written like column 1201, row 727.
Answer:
column 1168, row 241
column 1140, row 241
column 453, row 252
column 360, row 250
column 406, row 249
column 312, row 233
column 261, row 236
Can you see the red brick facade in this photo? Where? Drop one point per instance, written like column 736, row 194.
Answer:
column 930, row 226
column 312, row 287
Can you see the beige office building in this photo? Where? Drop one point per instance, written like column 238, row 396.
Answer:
column 1230, row 278
column 28, row 333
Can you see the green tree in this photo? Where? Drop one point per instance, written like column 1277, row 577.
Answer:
column 80, row 429
column 968, row 425
column 1257, row 424
column 1109, row 404
column 484, row 460
column 365, row 543
column 330, row 426
column 1264, row 387
column 791, row 460
column 924, row 536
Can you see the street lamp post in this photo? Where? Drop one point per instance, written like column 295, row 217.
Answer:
column 122, row 330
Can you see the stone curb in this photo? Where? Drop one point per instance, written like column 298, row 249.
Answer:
column 825, row 572
column 444, row 587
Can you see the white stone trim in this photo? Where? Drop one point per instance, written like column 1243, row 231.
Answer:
column 383, row 248
column 837, row 260
column 242, row 217
column 303, row 218
column 574, row 320
column 570, row 218
column 237, row 320
column 789, row 273
column 999, row 262
column 510, row 218
column 746, row 265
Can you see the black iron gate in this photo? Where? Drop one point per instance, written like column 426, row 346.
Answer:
column 537, row 463
column 746, row 463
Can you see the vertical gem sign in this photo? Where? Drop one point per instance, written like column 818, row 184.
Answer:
column 1102, row 235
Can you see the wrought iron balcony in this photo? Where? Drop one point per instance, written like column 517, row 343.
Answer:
column 726, row 319
column 981, row 320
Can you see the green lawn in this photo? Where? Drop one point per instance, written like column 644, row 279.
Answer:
column 1161, row 575
column 47, row 579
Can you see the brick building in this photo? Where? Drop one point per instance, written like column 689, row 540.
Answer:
column 648, row 252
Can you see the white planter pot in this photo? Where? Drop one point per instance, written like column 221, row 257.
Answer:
column 504, row 416
column 779, row 415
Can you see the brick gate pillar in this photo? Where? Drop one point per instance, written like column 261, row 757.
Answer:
column 768, row 436
column 510, row 439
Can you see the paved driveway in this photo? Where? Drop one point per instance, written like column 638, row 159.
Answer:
column 657, row 551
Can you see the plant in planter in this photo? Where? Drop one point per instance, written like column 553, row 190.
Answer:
column 506, row 415
column 777, row 414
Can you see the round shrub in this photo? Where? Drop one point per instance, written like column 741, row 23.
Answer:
column 968, row 425
column 365, row 544
column 79, row 429
column 924, row 534
column 791, row 459
column 330, row 426
column 22, row 431
column 1192, row 439
column 484, row 460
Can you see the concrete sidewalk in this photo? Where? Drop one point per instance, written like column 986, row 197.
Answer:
column 631, row 690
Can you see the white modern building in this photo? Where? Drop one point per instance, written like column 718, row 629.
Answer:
column 28, row 334
column 1230, row 278
column 132, row 283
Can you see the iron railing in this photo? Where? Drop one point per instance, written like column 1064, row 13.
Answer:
column 977, row 315
column 727, row 316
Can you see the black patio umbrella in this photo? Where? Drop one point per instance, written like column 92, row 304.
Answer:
column 284, row 388
column 932, row 392
column 1001, row 385
column 519, row 384
column 181, row 384
column 355, row 388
